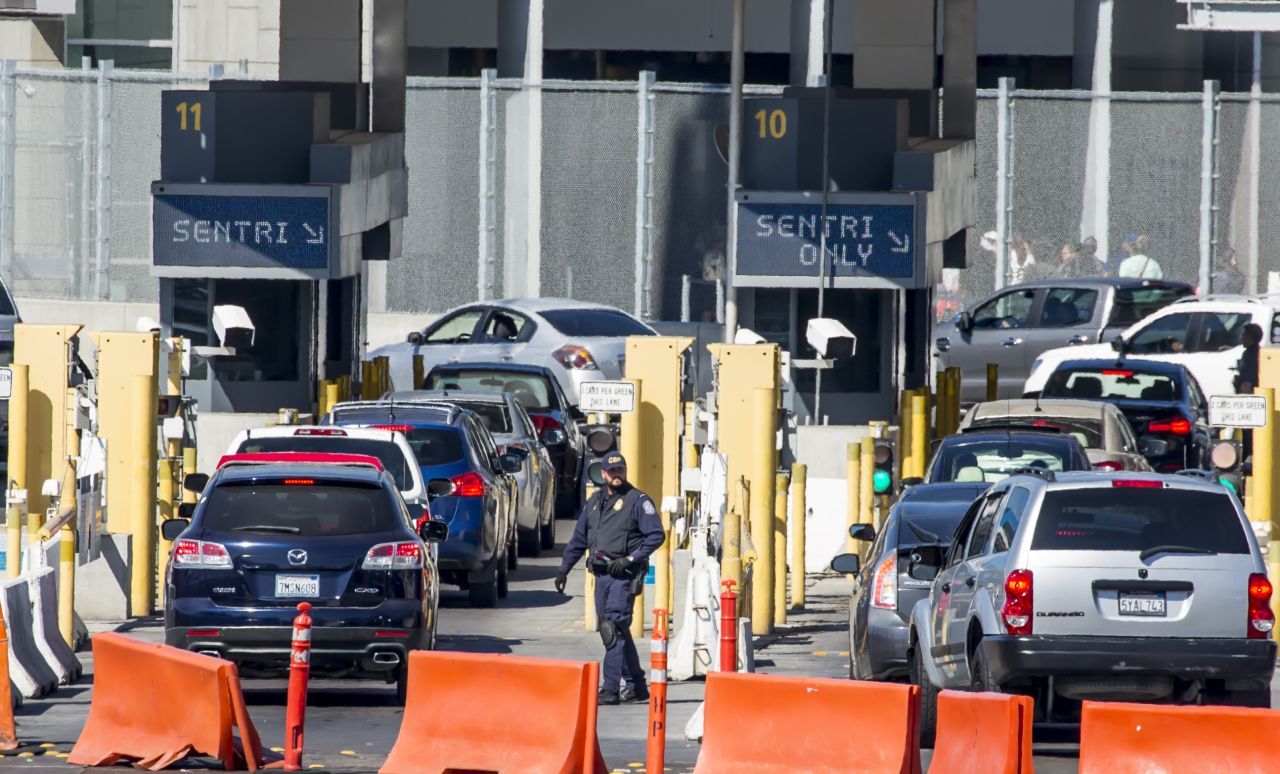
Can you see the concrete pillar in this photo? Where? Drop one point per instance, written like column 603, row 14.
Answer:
column 34, row 42
column 390, row 65
column 520, row 56
column 513, row 38
column 808, row 41
column 960, row 69
column 894, row 44
column 320, row 40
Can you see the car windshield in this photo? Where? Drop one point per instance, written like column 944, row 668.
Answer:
column 594, row 322
column 531, row 390
column 492, row 415
column 1133, row 304
column 994, row 460
column 299, row 508
column 1137, row 519
column 1112, row 384
column 390, row 455
column 1087, row 431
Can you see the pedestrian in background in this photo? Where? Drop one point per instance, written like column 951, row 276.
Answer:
column 1227, row 278
column 620, row 528
column 1139, row 264
column 1020, row 259
column 1071, row 264
column 1089, row 253
column 1247, row 367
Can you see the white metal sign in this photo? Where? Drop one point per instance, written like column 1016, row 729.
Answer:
column 607, row 397
column 1237, row 411
column 6, row 383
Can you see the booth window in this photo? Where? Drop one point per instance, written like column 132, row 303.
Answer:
column 274, row 309
column 191, row 312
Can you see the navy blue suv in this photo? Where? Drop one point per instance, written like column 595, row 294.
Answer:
column 454, row 444
column 273, row 530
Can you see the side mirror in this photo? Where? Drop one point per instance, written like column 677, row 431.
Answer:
column 846, row 564
column 964, row 322
column 862, row 532
column 186, row 510
column 195, row 482
column 170, row 529
column 510, row 463
column 414, row 338
column 912, row 481
column 554, row 436
column 922, row 572
column 1119, row 344
column 432, row 531
column 439, row 487
column 519, row 452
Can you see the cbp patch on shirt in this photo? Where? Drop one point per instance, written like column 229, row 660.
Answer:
column 648, row 508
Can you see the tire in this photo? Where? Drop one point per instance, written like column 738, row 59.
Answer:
column 547, row 534
column 402, row 683
column 529, row 542
column 928, row 698
column 504, row 584
column 485, row 593
column 513, row 554
column 980, row 673
column 1257, row 698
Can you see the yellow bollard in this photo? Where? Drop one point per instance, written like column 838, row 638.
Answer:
column 637, row 615
column 662, row 566
column 188, row 467
column 67, row 547
column 939, row 403
column 780, row 484
column 763, row 468
column 382, row 366
column 799, row 478
column 953, row 398
column 904, row 434
column 1262, row 485
column 866, row 484
column 919, row 435
column 993, row 381
column 17, row 466
column 731, row 552
column 589, row 615
column 142, row 494
column 629, row 443
column 853, row 488
column 419, row 372
column 331, row 393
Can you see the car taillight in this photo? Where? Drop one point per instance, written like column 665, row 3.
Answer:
column 1137, row 483
column 200, row 555
column 1178, row 426
column 394, row 428
column 575, row 358
column 394, row 556
column 468, row 484
column 543, row 423
column 1261, row 619
column 1018, row 610
column 884, row 585
column 1111, row 465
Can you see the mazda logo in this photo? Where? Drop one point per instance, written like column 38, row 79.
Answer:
column 297, row 556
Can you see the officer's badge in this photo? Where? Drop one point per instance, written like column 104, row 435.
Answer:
column 617, row 506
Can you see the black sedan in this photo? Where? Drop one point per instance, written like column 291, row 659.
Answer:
column 885, row 590
column 1162, row 401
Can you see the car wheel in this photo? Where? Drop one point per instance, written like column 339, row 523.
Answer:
column 928, row 698
column 980, row 673
column 402, row 683
column 548, row 530
column 1257, row 698
column 513, row 553
column 504, row 585
column 529, row 542
column 485, row 593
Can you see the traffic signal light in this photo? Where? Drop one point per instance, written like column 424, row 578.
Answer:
column 883, row 480
column 1227, row 460
column 601, row 439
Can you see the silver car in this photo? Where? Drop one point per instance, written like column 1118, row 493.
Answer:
column 1100, row 427
column 513, row 432
column 578, row 341
column 1074, row 586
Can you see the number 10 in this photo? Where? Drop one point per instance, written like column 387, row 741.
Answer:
column 773, row 123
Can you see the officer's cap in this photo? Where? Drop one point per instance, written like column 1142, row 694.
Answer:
column 613, row 460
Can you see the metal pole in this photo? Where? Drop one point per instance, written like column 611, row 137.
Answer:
column 175, row 46
column 735, row 165
column 17, row 468
column 826, row 200
column 799, row 510
column 142, row 486
column 644, row 191
column 684, row 297
column 1253, row 132
column 102, row 182
column 82, row 280
column 763, row 417
column 1100, row 129
column 486, row 229
column 1004, row 198
column 1208, row 156
column 8, row 156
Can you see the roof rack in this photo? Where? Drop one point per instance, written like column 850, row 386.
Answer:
column 389, row 404
column 300, row 458
column 1204, row 475
column 1241, row 297
column 1009, row 427
column 1044, row 473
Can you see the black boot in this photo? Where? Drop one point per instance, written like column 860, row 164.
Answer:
column 634, row 695
column 607, row 697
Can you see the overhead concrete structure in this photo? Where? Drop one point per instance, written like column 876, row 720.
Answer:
column 1232, row 15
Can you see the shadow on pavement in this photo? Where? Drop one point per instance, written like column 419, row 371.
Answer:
column 477, row 643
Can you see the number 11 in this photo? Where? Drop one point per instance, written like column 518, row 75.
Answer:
column 194, row 109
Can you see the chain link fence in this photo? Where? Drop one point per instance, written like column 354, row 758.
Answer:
column 627, row 189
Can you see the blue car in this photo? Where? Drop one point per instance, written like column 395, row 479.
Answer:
column 276, row 529
column 453, row 444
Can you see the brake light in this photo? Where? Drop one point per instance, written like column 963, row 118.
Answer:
column 299, row 482
column 203, row 632
column 1018, row 603
column 1137, row 483
column 1177, row 426
column 1117, row 372
column 468, row 485
column 1111, row 465
column 1261, row 619
column 200, row 555
column 320, row 431
column 391, row 635
column 394, row 428
column 543, row 423
column 575, row 358
column 884, row 585
column 394, row 556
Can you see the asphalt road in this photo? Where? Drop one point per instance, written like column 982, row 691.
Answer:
column 352, row 725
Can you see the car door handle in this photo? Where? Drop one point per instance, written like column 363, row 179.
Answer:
column 1011, row 342
column 1078, row 339
column 970, row 582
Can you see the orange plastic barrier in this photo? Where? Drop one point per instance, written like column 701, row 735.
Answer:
column 1143, row 738
column 154, row 705
column 987, row 732
column 500, row 713
column 768, row 723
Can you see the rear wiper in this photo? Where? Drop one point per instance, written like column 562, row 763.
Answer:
column 268, row 528
column 1150, row 552
column 923, row 533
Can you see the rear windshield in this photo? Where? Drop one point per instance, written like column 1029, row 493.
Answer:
column 492, row 415
column 1133, row 304
column 930, row 529
column 1087, row 431
column 1111, row 384
column 992, row 461
column 316, row 510
column 390, row 455
column 434, row 445
column 530, row 390
column 1119, row 519
column 594, row 322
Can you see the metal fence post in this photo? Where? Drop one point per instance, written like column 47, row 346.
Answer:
column 644, row 192
column 1004, row 179
column 685, row 288
column 486, row 227
column 102, row 182
column 1253, row 151
column 82, row 278
column 1208, row 168
column 8, row 156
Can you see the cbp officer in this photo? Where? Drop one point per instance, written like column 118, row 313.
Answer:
column 620, row 528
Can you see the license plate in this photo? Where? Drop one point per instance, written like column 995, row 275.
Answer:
column 1140, row 603
column 297, row 585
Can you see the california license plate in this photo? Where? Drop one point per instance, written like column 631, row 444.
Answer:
column 297, row 585
column 1143, row 603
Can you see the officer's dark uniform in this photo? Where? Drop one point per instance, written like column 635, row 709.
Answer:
column 619, row 524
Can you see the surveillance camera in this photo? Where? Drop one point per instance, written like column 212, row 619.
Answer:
column 830, row 338
column 232, row 326
column 146, row 325
column 748, row 336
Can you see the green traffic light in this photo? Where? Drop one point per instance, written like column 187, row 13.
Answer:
column 1227, row 483
column 881, row 481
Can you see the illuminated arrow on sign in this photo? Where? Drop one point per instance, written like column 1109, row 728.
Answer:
column 903, row 243
column 316, row 238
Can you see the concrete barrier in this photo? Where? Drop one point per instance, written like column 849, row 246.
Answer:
column 28, row 670
column 43, row 588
